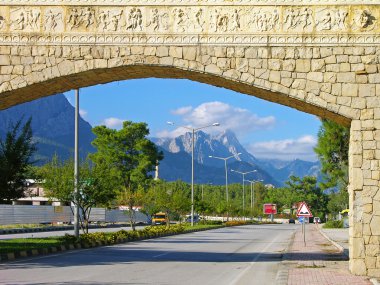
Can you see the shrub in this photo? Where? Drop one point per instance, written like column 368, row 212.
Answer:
column 331, row 224
column 235, row 223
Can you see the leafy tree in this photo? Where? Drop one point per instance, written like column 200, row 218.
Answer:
column 337, row 202
column 131, row 156
column 95, row 186
column 15, row 153
column 308, row 191
column 332, row 150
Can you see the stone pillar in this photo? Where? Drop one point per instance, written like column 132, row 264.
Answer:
column 364, row 176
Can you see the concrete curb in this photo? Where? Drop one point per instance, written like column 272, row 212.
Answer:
column 12, row 256
column 283, row 272
column 337, row 245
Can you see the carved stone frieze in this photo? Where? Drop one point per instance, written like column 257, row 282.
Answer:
column 207, row 24
column 185, row 2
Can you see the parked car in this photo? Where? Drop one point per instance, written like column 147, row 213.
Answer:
column 292, row 221
column 195, row 220
column 317, row 220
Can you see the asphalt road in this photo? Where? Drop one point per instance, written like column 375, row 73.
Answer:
column 238, row 255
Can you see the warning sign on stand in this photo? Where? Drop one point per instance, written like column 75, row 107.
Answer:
column 304, row 211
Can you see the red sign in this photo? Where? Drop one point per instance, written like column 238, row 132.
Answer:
column 304, row 211
column 270, row 209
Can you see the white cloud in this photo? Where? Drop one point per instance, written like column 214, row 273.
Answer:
column 288, row 149
column 182, row 111
column 113, row 123
column 83, row 113
column 240, row 121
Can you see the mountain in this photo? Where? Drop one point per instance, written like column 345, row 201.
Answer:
column 52, row 125
column 177, row 157
column 176, row 166
column 222, row 145
column 282, row 170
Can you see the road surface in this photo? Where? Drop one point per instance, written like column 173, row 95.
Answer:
column 228, row 256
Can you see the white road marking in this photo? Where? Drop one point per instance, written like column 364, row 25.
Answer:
column 252, row 263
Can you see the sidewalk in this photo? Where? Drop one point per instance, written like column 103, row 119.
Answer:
column 318, row 262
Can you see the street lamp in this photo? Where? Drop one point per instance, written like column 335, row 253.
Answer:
column 253, row 190
column 193, row 131
column 225, row 168
column 243, row 173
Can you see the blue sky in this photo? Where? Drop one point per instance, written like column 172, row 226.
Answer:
column 267, row 130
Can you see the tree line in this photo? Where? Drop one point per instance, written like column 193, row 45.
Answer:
column 120, row 173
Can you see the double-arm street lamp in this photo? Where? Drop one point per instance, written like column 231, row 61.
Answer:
column 243, row 173
column 193, row 131
column 225, row 168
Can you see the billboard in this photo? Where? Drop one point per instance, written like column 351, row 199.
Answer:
column 270, row 209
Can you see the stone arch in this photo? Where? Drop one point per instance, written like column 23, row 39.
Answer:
column 266, row 73
column 319, row 58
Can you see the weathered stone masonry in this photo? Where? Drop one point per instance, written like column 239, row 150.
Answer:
column 319, row 58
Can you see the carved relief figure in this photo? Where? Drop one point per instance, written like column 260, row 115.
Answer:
column 25, row 19
column 325, row 22
column 214, row 17
column 51, row 20
column 340, row 19
column 109, row 20
column 88, row 17
column 222, row 23
column 363, row 20
column 20, row 22
column 134, row 21
column 330, row 19
column 180, row 20
column 298, row 19
column 103, row 20
column 73, row 20
column 199, row 20
column 2, row 22
column 115, row 20
column 235, row 21
column 158, row 21
column 84, row 17
column 263, row 21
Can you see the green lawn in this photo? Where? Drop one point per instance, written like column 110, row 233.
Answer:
column 20, row 244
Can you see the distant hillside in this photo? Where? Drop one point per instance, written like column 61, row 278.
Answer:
column 282, row 170
column 52, row 125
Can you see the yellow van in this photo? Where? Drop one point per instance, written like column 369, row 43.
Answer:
column 159, row 218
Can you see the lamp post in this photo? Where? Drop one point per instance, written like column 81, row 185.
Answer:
column 76, row 165
column 243, row 173
column 193, row 131
column 225, row 168
column 253, row 191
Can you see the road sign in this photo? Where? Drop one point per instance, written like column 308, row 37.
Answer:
column 301, row 219
column 270, row 209
column 304, row 211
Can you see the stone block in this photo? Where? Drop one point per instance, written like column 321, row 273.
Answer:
column 189, row 53
column 212, row 68
column 162, row 51
column 303, row 65
column 176, row 52
column 375, row 222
